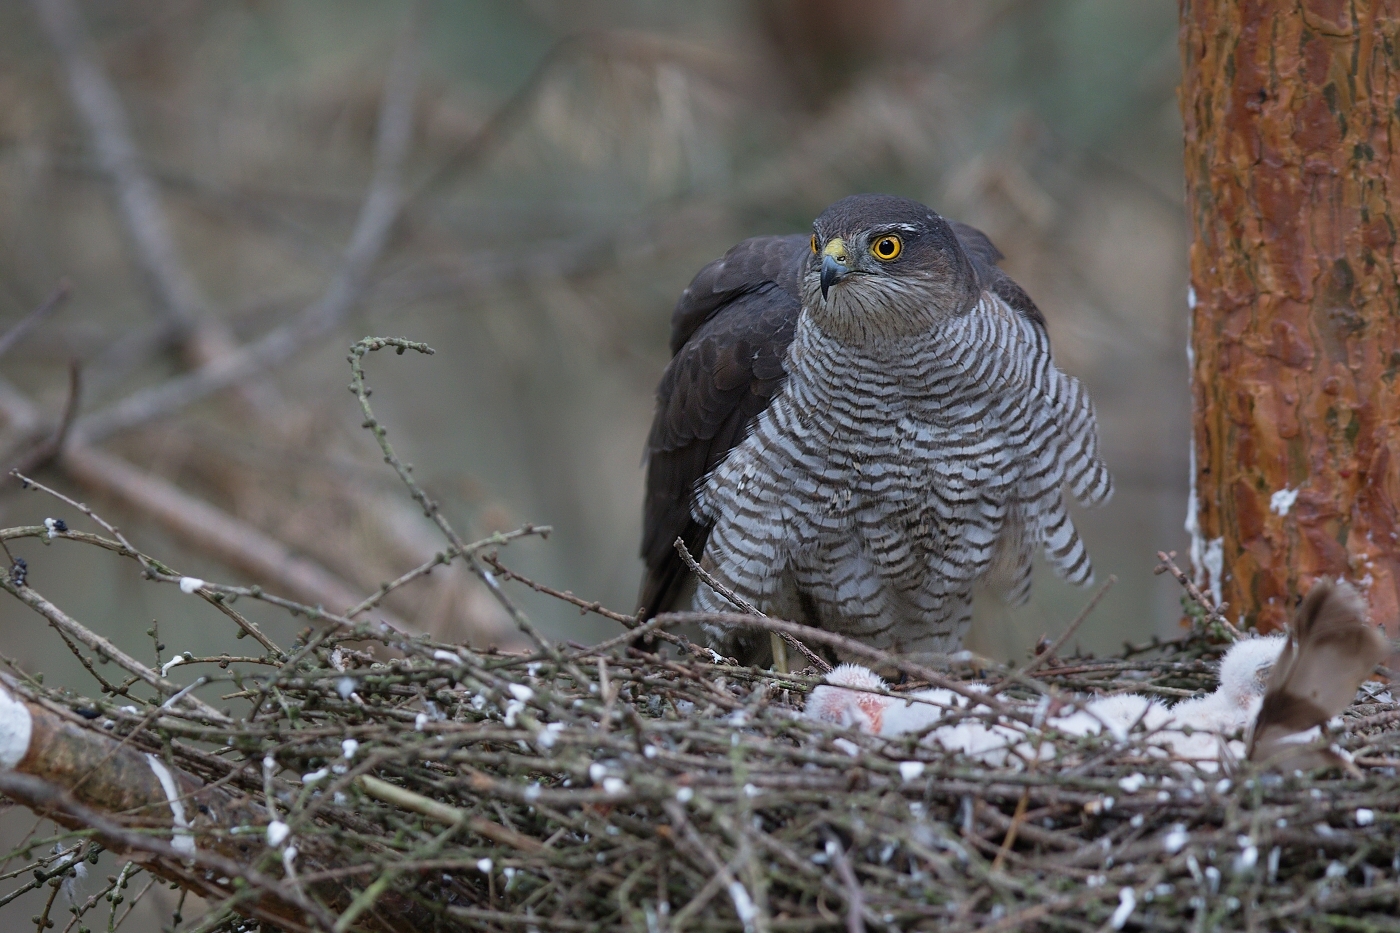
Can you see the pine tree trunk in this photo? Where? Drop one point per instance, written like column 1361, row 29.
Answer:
column 1293, row 181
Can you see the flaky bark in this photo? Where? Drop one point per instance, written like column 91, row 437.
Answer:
column 1290, row 110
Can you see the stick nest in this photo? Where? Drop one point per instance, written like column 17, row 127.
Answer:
column 429, row 786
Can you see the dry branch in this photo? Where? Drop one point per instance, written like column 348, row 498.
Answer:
column 210, row 529
column 320, row 319
column 21, row 328
column 181, row 300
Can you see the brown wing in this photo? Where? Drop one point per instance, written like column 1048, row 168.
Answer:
column 730, row 332
column 1331, row 649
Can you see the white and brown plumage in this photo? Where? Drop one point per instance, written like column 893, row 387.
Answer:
column 859, row 428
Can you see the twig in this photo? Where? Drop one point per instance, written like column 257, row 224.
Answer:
column 47, row 450
column 101, row 109
column 179, row 296
column 1010, row 840
column 705, row 577
column 846, row 646
column 443, row 559
column 745, row 606
column 646, row 628
column 209, row 528
column 44, row 797
column 104, row 648
column 1214, row 613
column 855, row 903
column 431, row 509
column 1048, row 654
column 21, row 328
column 594, row 607
column 743, row 902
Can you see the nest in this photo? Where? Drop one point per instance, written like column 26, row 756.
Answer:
column 378, row 781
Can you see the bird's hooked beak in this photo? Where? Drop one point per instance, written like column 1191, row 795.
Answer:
column 836, row 264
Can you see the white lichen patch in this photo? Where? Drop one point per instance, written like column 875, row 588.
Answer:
column 1282, row 501
column 1214, row 562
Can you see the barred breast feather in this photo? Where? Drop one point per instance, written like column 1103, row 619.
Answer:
column 877, row 489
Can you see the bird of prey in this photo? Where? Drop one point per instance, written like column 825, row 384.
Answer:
column 857, row 428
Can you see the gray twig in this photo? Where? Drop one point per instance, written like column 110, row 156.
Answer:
column 21, row 328
column 181, row 299
column 378, row 212
column 1045, row 656
column 745, row 606
column 855, row 903
column 1214, row 613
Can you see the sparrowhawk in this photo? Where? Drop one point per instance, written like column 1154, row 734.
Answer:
column 858, row 428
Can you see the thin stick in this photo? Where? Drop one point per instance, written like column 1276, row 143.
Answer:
column 444, row 558
column 21, row 328
column 1214, row 613
column 848, row 646
column 98, row 104
column 378, row 213
column 431, row 509
column 39, row 795
column 1017, row 819
column 1045, row 656
column 721, row 871
column 594, row 607
column 104, row 648
column 747, row 607
column 210, row 528
column 855, row 902
column 47, row 450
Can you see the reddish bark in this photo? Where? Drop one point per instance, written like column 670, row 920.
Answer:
column 1290, row 110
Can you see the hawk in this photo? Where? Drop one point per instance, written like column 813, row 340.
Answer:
column 859, row 427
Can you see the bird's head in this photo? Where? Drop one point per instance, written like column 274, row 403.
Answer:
column 1246, row 667
column 882, row 268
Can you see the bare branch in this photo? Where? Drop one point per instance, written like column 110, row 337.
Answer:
column 50, row 448
column 181, row 300
column 212, row 530
column 1049, row 653
column 1214, row 613
column 780, row 638
column 24, row 325
column 848, row 647
column 431, row 509
column 443, row 558
column 380, row 209
column 104, row 648
column 43, row 797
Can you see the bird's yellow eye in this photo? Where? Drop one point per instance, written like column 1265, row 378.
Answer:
column 886, row 247
column 814, row 243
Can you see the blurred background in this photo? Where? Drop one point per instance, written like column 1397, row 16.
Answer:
column 570, row 165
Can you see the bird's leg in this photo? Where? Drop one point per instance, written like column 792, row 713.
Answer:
column 780, row 658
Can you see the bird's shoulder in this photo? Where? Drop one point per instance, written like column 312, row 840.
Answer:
column 991, row 277
column 756, row 264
